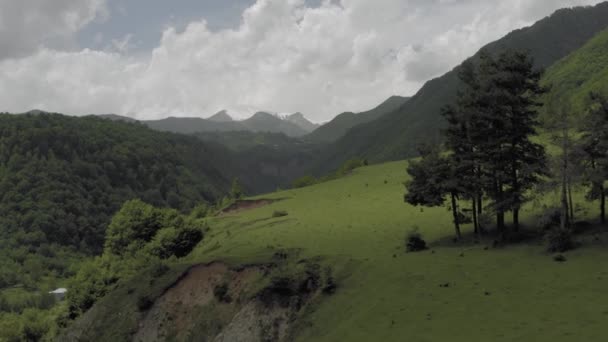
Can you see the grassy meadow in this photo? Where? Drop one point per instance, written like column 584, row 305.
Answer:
column 464, row 292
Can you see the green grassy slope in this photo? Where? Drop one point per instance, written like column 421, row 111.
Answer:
column 357, row 225
column 336, row 128
column 574, row 77
column 396, row 135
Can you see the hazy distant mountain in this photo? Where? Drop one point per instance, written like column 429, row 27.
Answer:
column 221, row 116
column 337, row 127
column 300, row 120
column 115, row 117
column 259, row 122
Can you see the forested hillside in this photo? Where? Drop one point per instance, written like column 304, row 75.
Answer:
column 336, row 128
column 61, row 178
column 572, row 79
column 396, row 135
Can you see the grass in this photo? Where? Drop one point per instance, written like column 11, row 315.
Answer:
column 357, row 225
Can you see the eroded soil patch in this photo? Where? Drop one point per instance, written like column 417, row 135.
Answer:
column 244, row 205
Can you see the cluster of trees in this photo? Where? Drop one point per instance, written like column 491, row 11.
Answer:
column 490, row 154
column 584, row 157
column 62, row 178
column 138, row 236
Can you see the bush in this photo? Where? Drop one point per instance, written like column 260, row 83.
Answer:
column 280, row 213
column 221, row 293
column 414, row 242
column 549, row 219
column 304, row 182
column 177, row 242
column 144, row 303
column 559, row 240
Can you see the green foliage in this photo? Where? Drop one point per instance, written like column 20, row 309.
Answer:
column 559, row 240
column 342, row 123
column 572, row 79
column 138, row 237
column 62, row 178
column 236, row 191
column 414, row 241
column 304, row 182
column 176, row 241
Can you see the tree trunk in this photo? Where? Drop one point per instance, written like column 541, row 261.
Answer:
column 500, row 214
column 570, row 201
column 475, row 221
column 602, row 205
column 516, row 219
column 455, row 214
column 564, row 223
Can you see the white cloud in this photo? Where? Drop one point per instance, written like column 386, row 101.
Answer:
column 26, row 25
column 284, row 57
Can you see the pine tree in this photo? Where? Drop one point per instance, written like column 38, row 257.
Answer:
column 594, row 143
column 432, row 180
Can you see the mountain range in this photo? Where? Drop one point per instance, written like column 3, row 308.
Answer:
column 295, row 125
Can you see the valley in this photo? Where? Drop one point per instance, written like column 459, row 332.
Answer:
column 473, row 210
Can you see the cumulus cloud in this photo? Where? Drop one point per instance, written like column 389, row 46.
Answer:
column 285, row 56
column 26, row 25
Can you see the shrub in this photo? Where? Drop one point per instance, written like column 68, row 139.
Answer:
column 280, row 213
column 486, row 220
column 177, row 242
column 144, row 303
column 549, row 219
column 559, row 240
column 221, row 293
column 414, row 241
column 304, row 182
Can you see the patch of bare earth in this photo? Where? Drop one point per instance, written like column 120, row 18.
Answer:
column 194, row 310
column 244, row 205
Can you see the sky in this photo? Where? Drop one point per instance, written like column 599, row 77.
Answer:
column 151, row 59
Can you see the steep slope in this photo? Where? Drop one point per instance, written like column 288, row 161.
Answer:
column 396, row 135
column 337, row 128
column 354, row 228
column 62, row 177
column 572, row 79
column 301, row 121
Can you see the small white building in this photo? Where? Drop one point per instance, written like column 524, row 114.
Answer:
column 59, row 293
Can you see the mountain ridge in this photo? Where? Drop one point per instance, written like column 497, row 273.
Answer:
column 396, row 135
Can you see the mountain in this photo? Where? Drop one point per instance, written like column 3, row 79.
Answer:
column 259, row 122
column 221, row 116
column 62, row 178
column 300, row 120
column 193, row 125
column 338, row 127
column 266, row 122
column 572, row 79
column 397, row 134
